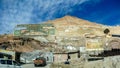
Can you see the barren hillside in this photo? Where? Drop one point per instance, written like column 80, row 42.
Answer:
column 73, row 26
column 67, row 29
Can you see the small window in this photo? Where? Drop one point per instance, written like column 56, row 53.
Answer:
column 3, row 61
column 9, row 62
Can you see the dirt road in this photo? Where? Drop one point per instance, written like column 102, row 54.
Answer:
column 32, row 66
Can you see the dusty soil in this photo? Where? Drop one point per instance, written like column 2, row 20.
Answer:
column 108, row 62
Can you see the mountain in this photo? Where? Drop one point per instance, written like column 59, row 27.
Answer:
column 73, row 26
column 69, row 30
column 70, row 20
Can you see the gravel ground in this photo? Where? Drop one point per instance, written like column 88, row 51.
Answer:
column 108, row 62
column 32, row 66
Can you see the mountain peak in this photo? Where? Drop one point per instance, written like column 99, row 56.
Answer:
column 68, row 16
column 71, row 20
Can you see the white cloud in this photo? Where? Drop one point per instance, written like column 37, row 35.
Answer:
column 34, row 11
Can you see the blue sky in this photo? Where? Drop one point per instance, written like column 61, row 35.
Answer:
column 14, row 12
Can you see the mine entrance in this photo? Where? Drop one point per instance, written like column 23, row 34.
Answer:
column 17, row 56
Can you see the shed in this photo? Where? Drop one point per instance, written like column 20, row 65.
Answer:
column 60, row 57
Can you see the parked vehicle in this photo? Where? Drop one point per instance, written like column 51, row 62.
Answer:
column 41, row 61
column 8, row 63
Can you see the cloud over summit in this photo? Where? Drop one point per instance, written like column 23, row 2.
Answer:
column 13, row 12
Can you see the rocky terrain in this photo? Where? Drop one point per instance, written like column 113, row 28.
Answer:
column 107, row 62
column 72, row 26
column 69, row 30
column 70, row 33
column 75, row 26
